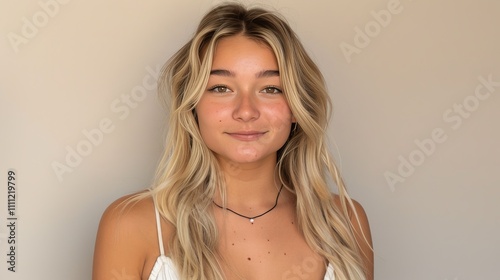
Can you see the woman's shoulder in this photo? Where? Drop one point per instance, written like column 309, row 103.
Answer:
column 130, row 206
column 356, row 212
column 127, row 236
column 358, row 208
column 362, row 233
column 129, row 212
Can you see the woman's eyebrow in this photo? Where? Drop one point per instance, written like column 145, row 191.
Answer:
column 261, row 74
column 222, row 72
column 268, row 73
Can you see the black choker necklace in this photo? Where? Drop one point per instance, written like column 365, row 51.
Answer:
column 252, row 219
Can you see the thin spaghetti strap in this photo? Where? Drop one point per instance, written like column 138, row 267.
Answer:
column 158, row 226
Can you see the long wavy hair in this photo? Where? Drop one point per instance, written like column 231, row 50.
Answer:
column 188, row 174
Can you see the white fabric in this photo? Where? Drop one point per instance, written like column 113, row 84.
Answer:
column 164, row 268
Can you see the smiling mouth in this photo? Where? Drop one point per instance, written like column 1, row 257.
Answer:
column 246, row 135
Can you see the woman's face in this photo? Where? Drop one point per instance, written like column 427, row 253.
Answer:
column 243, row 115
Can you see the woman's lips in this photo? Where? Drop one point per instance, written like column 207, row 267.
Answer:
column 246, row 135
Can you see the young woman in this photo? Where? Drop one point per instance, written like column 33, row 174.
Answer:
column 241, row 191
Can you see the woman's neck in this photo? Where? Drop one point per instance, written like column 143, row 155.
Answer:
column 250, row 185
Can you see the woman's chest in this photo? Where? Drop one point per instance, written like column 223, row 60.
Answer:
column 270, row 248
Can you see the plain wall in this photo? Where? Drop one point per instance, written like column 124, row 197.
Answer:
column 415, row 127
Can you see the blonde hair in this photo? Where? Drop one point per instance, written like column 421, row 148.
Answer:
column 188, row 174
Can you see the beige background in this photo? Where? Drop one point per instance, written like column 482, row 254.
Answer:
column 404, row 98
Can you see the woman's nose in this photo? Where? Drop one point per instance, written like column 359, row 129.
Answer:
column 246, row 107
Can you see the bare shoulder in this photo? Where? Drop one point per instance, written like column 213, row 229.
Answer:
column 360, row 211
column 126, row 212
column 126, row 239
column 359, row 221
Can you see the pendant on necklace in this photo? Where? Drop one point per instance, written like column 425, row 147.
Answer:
column 251, row 221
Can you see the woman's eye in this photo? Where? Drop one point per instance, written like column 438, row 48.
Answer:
column 272, row 90
column 219, row 89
